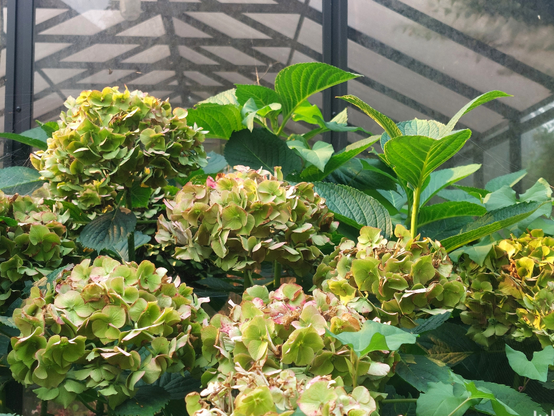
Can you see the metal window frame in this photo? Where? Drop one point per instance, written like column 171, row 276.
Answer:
column 19, row 78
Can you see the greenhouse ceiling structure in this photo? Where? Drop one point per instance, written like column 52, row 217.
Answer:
column 418, row 58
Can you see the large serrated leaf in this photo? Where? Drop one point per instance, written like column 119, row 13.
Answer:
column 449, row 209
column 443, row 178
column 20, row 180
column 35, row 138
column 223, row 98
column 219, row 120
column 261, row 149
column 509, row 179
column 476, row 102
column 177, row 385
column 415, row 157
column 416, row 127
column 261, row 95
column 297, row 82
column 490, row 223
column 520, row 402
column 339, row 159
column 108, row 230
column 122, row 248
column 140, row 195
column 216, row 163
column 363, row 175
column 419, row 371
column 386, row 123
column 354, row 207
column 148, row 401
column 430, row 324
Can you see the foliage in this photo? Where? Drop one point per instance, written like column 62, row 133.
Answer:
column 108, row 140
column 244, row 218
column 511, row 294
column 104, row 326
column 33, row 243
column 398, row 282
column 284, row 349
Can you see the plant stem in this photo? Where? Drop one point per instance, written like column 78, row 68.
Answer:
column 398, row 401
column 99, row 408
column 43, row 408
column 248, row 282
column 415, row 211
column 281, row 128
column 460, row 406
column 89, row 407
column 276, row 275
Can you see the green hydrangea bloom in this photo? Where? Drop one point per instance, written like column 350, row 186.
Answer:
column 110, row 139
column 512, row 293
column 397, row 282
column 105, row 326
column 244, row 218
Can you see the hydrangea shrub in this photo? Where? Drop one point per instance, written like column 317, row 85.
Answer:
column 105, row 326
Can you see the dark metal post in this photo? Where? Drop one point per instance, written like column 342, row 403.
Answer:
column 19, row 77
column 514, row 133
column 335, row 43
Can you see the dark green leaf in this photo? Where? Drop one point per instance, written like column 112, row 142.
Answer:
column 490, row 223
column 296, row 83
column 415, row 157
column 262, row 95
column 375, row 336
column 509, row 179
column 54, row 275
column 442, row 178
column 354, row 173
column 122, row 248
column 35, row 138
column 354, row 207
column 49, row 127
column 261, row 149
column 537, row 368
column 140, row 196
column 20, row 180
column 177, row 385
column 419, row 371
column 148, row 401
column 216, row 163
column 444, row 399
column 476, row 192
column 386, row 123
column 9, row 221
column 519, row 402
column 430, row 324
column 219, row 120
column 339, row 159
column 449, row 209
column 108, row 230
column 75, row 212
column 476, row 102
column 218, row 284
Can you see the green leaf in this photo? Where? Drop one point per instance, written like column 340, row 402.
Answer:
column 443, row 399
column 177, row 385
column 443, row 178
column 216, row 163
column 509, row 179
column 262, row 95
column 49, row 127
column 10, row 222
column 339, row 159
column 537, row 368
column 415, row 157
column 318, row 155
column 419, row 371
column 375, row 336
column 122, row 248
column 354, row 173
column 261, row 149
column 75, row 212
column 296, row 83
column 35, row 138
column 223, row 98
column 477, row 252
column 416, row 127
column 449, row 210
column 20, row 180
column 340, row 123
column 219, row 120
column 148, row 401
column 501, row 198
column 218, row 284
column 54, row 275
column 519, row 402
column 490, row 223
column 354, row 207
column 476, row 192
column 108, row 230
column 140, row 195
column 386, row 123
column 430, row 324
column 476, row 102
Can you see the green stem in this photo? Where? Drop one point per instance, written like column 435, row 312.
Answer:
column 459, row 406
column 248, row 282
column 398, row 401
column 89, row 407
column 415, row 211
column 282, row 127
column 277, row 271
column 44, row 408
column 354, row 361
column 99, row 408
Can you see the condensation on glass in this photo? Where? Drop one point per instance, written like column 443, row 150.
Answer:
column 427, row 58
column 184, row 50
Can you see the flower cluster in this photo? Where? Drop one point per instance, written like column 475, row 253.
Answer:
column 276, row 352
column 33, row 243
column 244, row 218
column 512, row 294
column 110, row 139
column 404, row 279
column 105, row 326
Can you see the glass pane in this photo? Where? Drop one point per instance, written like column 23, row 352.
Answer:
column 184, row 50
column 428, row 58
